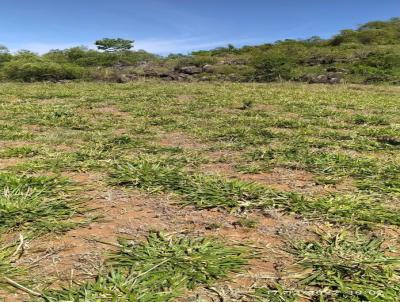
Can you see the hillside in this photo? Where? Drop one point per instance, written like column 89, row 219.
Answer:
column 368, row 54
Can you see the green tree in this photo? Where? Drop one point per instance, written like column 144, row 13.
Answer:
column 114, row 45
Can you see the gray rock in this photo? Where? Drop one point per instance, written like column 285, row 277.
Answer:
column 190, row 70
column 150, row 73
column 328, row 78
column 122, row 78
column 208, row 68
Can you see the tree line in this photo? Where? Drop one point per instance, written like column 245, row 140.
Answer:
column 367, row 54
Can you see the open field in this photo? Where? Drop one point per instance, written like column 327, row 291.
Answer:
column 153, row 191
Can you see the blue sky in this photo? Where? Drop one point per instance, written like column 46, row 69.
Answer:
column 164, row 26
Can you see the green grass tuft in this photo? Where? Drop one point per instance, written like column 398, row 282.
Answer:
column 352, row 209
column 350, row 267
column 35, row 203
column 6, row 268
column 275, row 293
column 25, row 151
column 203, row 191
column 160, row 269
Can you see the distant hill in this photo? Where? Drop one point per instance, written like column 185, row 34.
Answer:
column 368, row 54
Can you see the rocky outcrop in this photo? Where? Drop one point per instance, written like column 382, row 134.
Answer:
column 173, row 76
column 190, row 70
column 125, row 78
column 328, row 78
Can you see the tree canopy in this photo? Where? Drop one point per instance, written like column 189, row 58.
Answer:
column 114, row 45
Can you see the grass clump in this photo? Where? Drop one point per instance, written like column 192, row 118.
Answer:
column 370, row 175
column 150, row 174
column 160, row 269
column 353, row 209
column 6, row 268
column 208, row 191
column 35, row 203
column 25, row 151
column 274, row 293
column 203, row 191
column 349, row 267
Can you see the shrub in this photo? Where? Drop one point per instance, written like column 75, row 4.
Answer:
column 196, row 60
column 372, row 74
column 272, row 67
column 38, row 70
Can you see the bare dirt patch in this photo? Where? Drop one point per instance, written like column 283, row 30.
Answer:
column 9, row 162
column 185, row 97
column 218, row 168
column 281, row 179
column 265, row 107
column 177, row 139
column 110, row 109
column 284, row 179
column 34, row 128
column 278, row 178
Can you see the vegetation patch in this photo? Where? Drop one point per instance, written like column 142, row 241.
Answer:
column 35, row 203
column 350, row 267
column 7, row 270
column 331, row 167
column 340, row 266
column 160, row 269
column 368, row 54
column 19, row 152
column 334, row 147
column 203, row 191
column 208, row 191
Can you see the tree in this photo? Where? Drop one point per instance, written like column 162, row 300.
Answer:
column 114, row 45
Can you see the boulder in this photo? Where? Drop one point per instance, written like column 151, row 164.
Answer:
column 335, row 77
column 191, row 70
column 150, row 73
column 208, row 68
column 169, row 76
column 184, row 77
column 328, row 78
column 122, row 78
